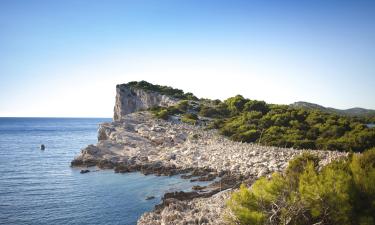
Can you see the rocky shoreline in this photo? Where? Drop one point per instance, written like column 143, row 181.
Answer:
column 139, row 142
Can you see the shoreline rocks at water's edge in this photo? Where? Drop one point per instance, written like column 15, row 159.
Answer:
column 141, row 143
column 136, row 141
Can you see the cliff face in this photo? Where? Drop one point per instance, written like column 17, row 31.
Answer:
column 130, row 99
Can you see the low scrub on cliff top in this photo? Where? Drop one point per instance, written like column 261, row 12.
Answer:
column 165, row 90
column 165, row 112
column 186, row 109
column 343, row 192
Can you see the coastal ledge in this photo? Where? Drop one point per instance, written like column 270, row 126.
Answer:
column 139, row 142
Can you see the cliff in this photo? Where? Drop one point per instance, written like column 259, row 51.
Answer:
column 130, row 99
column 138, row 141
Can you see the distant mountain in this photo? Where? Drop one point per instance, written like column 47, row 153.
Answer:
column 348, row 112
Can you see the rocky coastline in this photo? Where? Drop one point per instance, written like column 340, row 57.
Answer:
column 137, row 141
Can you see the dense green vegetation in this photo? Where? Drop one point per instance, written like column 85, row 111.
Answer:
column 279, row 125
column 368, row 119
column 189, row 118
column 342, row 192
column 247, row 120
column 180, row 109
column 165, row 90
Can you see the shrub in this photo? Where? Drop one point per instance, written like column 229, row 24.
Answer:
column 189, row 118
column 162, row 114
column 284, row 126
column 343, row 192
column 165, row 90
column 244, row 206
column 183, row 105
column 235, row 104
column 259, row 106
column 220, row 110
column 247, row 136
column 363, row 167
column 296, row 167
column 247, row 120
column 207, row 111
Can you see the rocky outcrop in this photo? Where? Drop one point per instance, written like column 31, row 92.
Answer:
column 136, row 141
column 139, row 142
column 140, row 139
column 130, row 99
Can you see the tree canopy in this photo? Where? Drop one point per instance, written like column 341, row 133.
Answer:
column 280, row 125
column 165, row 90
column 248, row 120
column 343, row 192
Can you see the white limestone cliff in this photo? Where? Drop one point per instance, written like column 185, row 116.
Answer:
column 130, row 99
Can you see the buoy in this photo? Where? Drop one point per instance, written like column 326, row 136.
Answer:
column 150, row 197
column 42, row 147
column 85, row 171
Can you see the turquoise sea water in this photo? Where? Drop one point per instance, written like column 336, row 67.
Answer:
column 40, row 187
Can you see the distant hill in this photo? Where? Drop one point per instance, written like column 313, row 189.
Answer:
column 348, row 112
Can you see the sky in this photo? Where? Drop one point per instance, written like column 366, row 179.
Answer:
column 64, row 58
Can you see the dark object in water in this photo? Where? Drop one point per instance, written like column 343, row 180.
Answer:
column 42, row 147
column 150, row 197
column 198, row 188
column 85, row 171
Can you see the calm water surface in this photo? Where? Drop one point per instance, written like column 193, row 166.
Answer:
column 39, row 187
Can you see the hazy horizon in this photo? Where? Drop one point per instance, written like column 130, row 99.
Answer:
column 64, row 59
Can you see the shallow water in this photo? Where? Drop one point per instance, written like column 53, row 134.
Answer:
column 39, row 187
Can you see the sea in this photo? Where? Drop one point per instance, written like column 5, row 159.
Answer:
column 40, row 187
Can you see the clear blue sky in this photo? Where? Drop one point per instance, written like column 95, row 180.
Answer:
column 64, row 58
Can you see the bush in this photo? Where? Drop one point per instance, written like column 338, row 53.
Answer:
column 245, row 207
column 247, row 136
column 304, row 144
column 285, row 126
column 343, row 192
column 236, row 104
column 163, row 112
column 247, row 120
column 165, row 90
column 189, row 118
column 259, row 106
column 183, row 105
column 220, row 110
